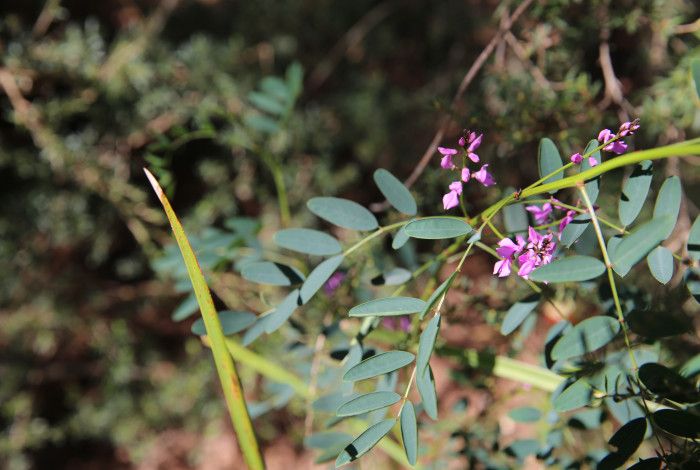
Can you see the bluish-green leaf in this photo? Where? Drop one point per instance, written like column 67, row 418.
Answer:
column 275, row 274
column 325, row 440
column 593, row 185
column 679, row 423
column 426, row 388
column 261, row 123
column 231, row 322
column 186, row 309
column 330, row 403
column 668, row 203
column 549, row 160
column 364, row 442
column 377, row 365
column 436, row 228
column 283, row 311
column 389, row 306
column 343, row 213
column 514, row 216
column 574, row 396
column 276, row 87
column 409, row 432
column 637, row 244
column 254, row 332
column 395, row 277
column 575, row 229
column 660, row 261
column 693, row 245
column 634, row 192
column 569, row 269
column 522, row 448
column 367, row 402
column 304, row 240
column 525, row 414
column 427, row 342
column 666, row 383
column 318, row 277
column 691, row 368
column 627, row 439
column 517, row 313
column 395, row 192
column 591, row 334
column 400, row 238
column 266, row 102
column 435, row 296
column 695, row 76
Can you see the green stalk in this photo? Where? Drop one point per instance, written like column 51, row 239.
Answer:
column 233, row 392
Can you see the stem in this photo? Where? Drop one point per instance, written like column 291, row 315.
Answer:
column 374, row 235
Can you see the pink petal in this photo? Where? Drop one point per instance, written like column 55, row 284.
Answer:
column 456, row 186
column 465, row 174
column 450, row 200
column 447, row 151
column 473, row 157
column 446, row 163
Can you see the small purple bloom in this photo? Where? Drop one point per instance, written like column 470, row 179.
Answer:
column 333, row 282
column 402, row 323
column 605, row 135
column 484, row 177
column 568, row 218
column 592, row 161
column 465, row 174
column 541, row 214
column 446, row 161
column 502, row 267
column 618, row 147
column 450, row 200
column 576, row 158
column 628, row 128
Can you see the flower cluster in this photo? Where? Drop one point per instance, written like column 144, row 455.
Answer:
column 469, row 142
column 614, row 142
column 542, row 213
column 537, row 251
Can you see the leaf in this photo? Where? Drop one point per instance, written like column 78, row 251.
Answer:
column 275, row 274
column 186, row 309
column 318, row 277
column 525, row 414
column 627, row 439
column 637, row 244
column 592, row 186
column 257, row 329
column 591, row 334
column 261, row 123
column 377, row 365
column 624, row 410
column 437, row 294
column 549, row 160
column 409, row 432
column 668, row 203
column 514, row 216
column 367, row 402
column 634, row 192
column 395, row 192
column 569, row 269
column 436, row 228
column 400, row 238
column 266, row 103
column 679, row 423
column 692, row 367
column 522, row 448
column 574, row 396
column 231, row 322
column 652, row 463
column 324, row 440
column 695, row 76
column 282, row 312
column 664, row 382
column 277, row 87
column 364, row 442
column 518, row 312
column 693, row 245
column 395, row 277
column 310, row 242
column 426, row 388
column 658, row 323
column 427, row 343
column 575, row 229
column 660, row 261
column 330, row 403
column 389, row 306
column 343, row 213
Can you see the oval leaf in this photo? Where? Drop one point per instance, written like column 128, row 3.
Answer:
column 426, row 388
column 395, row 192
column 587, row 336
column 283, row 311
column 310, row 242
column 364, row 442
column 325, row 440
column 668, row 203
column 634, row 192
column 574, row 396
column 275, row 274
column 666, row 383
column 593, row 185
column 526, row 414
column 231, row 322
column 318, row 277
column 549, row 160
column 436, row 294
column 517, row 313
column 377, row 365
column 635, row 246
column 367, row 402
column 409, row 432
column 386, row 307
column 400, row 238
column 660, row 262
column 436, row 228
column 575, row 229
column 343, row 213
column 627, row 439
column 427, row 343
column 693, row 245
column 570, row 269
column 679, row 423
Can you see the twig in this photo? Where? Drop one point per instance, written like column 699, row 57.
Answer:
column 613, row 90
column 521, row 54
column 46, row 17
column 687, row 28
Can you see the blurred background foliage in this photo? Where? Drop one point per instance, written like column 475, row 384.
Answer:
column 232, row 104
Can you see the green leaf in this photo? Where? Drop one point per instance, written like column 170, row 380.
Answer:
column 275, row 274
column 283, row 311
column 400, row 238
column 518, row 312
column 634, row 192
column 668, row 203
column 276, row 87
column 261, row 123
column 692, row 367
column 514, row 216
column 652, row 463
column 436, row 228
column 231, row 322
column 624, row 410
column 409, row 432
column 591, row 334
column 627, row 439
column 695, row 76
column 186, row 309
column 526, row 414
column 294, row 77
column 318, row 277
column 664, row 382
column 395, row 277
column 574, row 396
column 693, row 245
column 367, row 402
column 382, row 363
column 395, row 192
column 254, row 332
column 522, row 448
column 330, row 403
column 426, row 388
column 569, row 269
column 637, row 244
column 437, row 294
column 266, row 103
column 343, row 213
column 575, row 229
column 304, row 240
column 549, row 160
column 389, row 306
column 593, row 185
column 678, row 423
column 364, row 442
column 427, row 343
column 660, row 261
column 325, row 440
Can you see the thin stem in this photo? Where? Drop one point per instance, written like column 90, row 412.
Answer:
column 373, row 235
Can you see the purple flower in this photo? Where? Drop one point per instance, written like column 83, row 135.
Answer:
column 506, row 250
column 484, row 177
column 576, row 158
column 592, row 161
column 402, row 323
column 541, row 214
column 502, row 267
column 618, row 147
column 470, row 142
column 539, row 251
column 628, row 128
column 568, row 218
column 333, row 282
column 605, row 135
column 465, row 174
column 451, row 199
column 447, row 154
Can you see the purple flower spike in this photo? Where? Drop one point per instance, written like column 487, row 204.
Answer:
column 576, row 158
